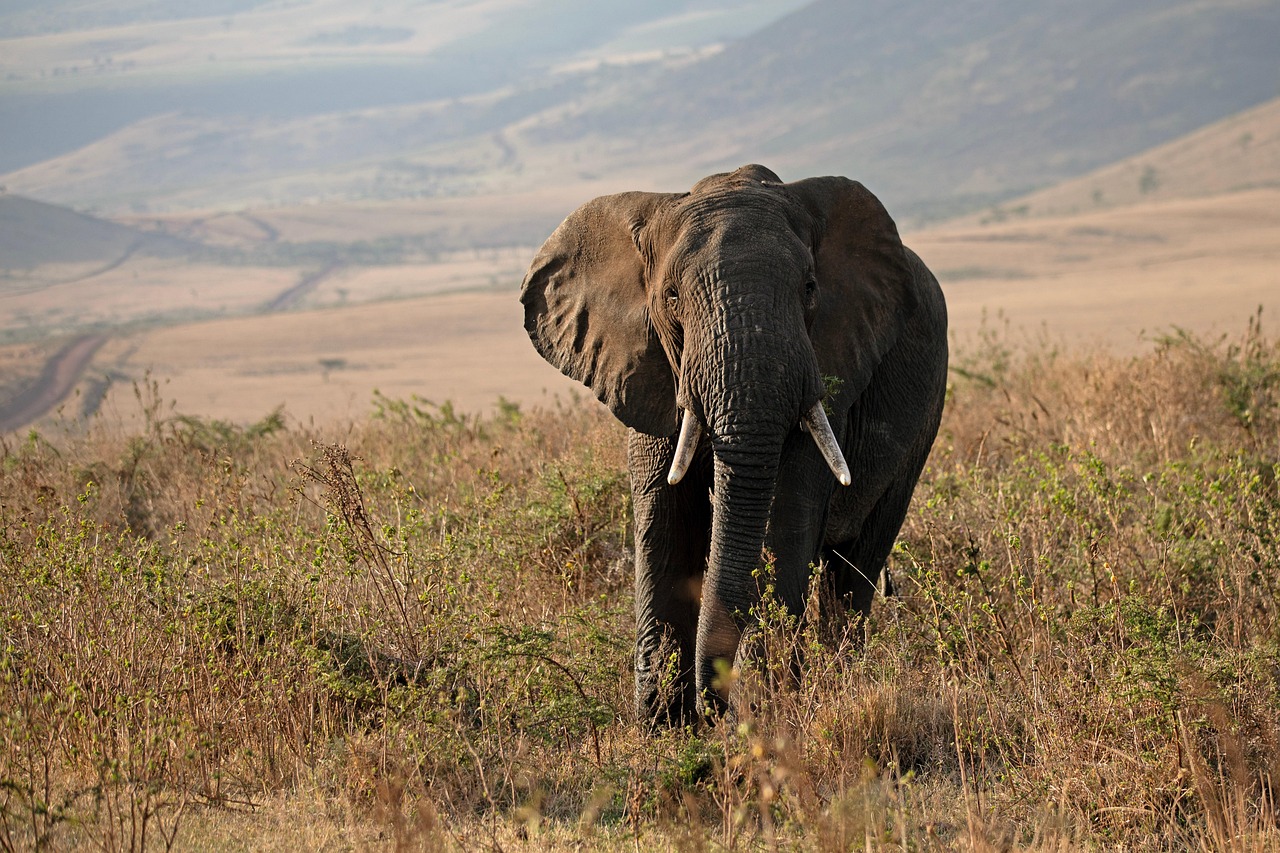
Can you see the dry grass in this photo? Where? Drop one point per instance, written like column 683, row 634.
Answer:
column 414, row 633
column 1112, row 275
column 141, row 291
column 467, row 348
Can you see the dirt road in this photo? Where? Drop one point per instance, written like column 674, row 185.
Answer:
column 59, row 376
column 305, row 285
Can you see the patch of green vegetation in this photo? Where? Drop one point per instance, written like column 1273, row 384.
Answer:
column 1149, row 181
column 977, row 272
column 320, row 253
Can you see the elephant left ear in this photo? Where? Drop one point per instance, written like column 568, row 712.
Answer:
column 866, row 288
column 586, row 310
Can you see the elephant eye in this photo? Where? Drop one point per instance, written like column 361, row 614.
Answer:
column 671, row 296
column 810, row 285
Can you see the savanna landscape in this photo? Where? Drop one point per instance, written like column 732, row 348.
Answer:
column 303, row 546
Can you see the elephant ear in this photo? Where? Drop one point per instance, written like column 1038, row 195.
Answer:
column 586, row 310
column 866, row 289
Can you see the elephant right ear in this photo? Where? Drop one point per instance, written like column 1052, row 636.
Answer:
column 586, row 310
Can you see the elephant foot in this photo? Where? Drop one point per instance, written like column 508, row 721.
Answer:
column 664, row 686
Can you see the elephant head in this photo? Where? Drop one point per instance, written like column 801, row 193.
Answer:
column 719, row 315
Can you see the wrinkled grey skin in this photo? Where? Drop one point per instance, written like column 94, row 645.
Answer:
column 736, row 301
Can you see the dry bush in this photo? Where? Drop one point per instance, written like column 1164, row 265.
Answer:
column 417, row 631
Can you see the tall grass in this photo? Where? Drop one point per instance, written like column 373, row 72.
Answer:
column 415, row 633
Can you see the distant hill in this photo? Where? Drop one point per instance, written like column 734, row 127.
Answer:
column 33, row 233
column 38, row 17
column 75, row 71
column 939, row 108
column 1238, row 153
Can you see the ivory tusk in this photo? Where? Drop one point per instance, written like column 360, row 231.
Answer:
column 820, row 428
column 686, row 446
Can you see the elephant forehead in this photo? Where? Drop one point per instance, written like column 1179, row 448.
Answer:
column 735, row 227
column 739, row 198
column 750, row 174
column 734, row 214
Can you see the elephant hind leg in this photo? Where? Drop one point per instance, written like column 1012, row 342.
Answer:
column 855, row 567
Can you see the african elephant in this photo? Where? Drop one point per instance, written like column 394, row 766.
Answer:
column 753, row 335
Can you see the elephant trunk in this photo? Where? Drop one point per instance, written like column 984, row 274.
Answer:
column 744, row 485
column 756, row 385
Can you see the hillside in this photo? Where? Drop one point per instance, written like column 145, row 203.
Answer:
column 317, row 335
column 33, row 233
column 940, row 109
column 1113, row 277
column 939, row 106
column 313, row 301
column 1238, row 153
column 75, row 71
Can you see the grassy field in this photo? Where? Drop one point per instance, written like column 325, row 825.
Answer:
column 141, row 291
column 414, row 633
column 1115, row 276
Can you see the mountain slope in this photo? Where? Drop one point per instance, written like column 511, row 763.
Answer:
column 963, row 101
column 33, row 233
column 1238, row 153
column 939, row 108
column 88, row 68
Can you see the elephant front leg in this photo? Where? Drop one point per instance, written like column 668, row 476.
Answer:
column 672, row 531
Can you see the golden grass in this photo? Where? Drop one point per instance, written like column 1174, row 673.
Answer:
column 1111, row 276
column 139, row 291
column 469, row 349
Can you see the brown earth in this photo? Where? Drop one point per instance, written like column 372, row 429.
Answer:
column 1117, row 276
column 60, row 374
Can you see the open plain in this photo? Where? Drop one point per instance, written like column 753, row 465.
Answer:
column 1115, row 278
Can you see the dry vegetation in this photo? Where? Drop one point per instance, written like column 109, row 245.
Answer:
column 139, row 293
column 1111, row 275
column 415, row 633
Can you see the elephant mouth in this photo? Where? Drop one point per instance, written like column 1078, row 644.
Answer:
column 814, row 422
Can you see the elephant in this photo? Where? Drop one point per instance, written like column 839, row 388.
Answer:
column 780, row 361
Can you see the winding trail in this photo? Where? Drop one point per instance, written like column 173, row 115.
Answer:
column 128, row 253
column 59, row 376
column 305, row 285
column 63, row 370
column 270, row 233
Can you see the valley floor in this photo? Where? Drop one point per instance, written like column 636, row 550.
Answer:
column 451, row 330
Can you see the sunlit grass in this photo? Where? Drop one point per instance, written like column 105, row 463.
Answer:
column 415, row 633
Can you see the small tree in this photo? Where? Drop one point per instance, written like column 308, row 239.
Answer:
column 1150, row 180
